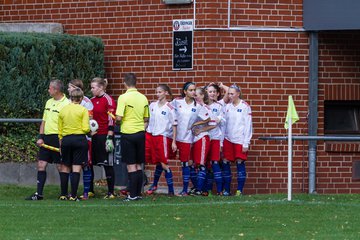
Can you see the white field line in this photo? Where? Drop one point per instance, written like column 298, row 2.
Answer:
column 120, row 204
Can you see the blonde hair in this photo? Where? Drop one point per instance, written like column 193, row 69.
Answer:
column 100, row 81
column 76, row 95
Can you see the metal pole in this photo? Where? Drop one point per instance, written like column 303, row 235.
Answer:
column 313, row 107
column 314, row 138
column 20, row 120
column 289, row 155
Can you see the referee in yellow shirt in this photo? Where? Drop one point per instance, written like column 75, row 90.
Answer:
column 48, row 134
column 73, row 126
column 133, row 114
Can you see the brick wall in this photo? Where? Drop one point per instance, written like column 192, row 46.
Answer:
column 339, row 75
column 268, row 65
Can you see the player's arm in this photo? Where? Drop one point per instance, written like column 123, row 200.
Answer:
column 173, row 144
column 120, row 109
column 201, row 122
column 248, row 129
column 146, row 122
column 85, row 122
column 197, row 131
column 40, row 140
column 226, row 90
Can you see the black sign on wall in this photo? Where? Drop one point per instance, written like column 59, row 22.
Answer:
column 182, row 44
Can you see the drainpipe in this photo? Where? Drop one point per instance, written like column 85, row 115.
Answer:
column 313, row 106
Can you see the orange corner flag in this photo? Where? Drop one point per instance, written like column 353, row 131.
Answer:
column 291, row 113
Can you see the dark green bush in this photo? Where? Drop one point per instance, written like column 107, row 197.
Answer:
column 28, row 61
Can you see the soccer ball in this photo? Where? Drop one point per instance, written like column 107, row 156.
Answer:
column 93, row 125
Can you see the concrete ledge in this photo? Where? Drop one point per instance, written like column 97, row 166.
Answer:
column 25, row 174
column 32, row 27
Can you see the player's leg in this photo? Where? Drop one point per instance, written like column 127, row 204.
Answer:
column 150, row 158
column 87, row 173
column 78, row 158
column 214, row 157
column 184, row 155
column 169, row 178
column 75, row 179
column 207, row 189
column 45, row 156
column 139, row 140
column 200, row 152
column 241, row 169
column 217, row 176
column 226, row 170
column 110, row 177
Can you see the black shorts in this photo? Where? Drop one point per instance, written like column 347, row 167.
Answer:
column 133, row 148
column 99, row 154
column 49, row 155
column 74, row 150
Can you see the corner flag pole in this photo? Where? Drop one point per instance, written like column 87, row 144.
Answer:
column 291, row 117
column 289, row 156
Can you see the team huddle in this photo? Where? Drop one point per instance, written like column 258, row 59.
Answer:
column 197, row 127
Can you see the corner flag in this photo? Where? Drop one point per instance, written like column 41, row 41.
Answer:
column 291, row 113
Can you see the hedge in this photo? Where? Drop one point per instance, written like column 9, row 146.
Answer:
column 28, row 62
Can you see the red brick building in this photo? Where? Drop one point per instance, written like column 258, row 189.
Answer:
column 263, row 48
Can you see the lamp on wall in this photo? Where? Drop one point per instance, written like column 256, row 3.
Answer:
column 177, row 1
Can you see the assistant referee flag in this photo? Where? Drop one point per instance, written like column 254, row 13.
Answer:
column 291, row 113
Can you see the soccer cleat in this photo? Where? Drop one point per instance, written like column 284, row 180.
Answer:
column 219, row 194
column 124, row 192
column 238, row 193
column 182, row 194
column 171, row 194
column 130, row 199
column 192, row 191
column 85, row 196
column 74, row 199
column 63, row 198
column 151, row 190
column 205, row 194
column 89, row 195
column 35, row 197
column 110, row 196
column 226, row 194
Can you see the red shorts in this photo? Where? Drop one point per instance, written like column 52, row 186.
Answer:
column 184, row 151
column 214, row 151
column 233, row 151
column 200, row 151
column 162, row 149
column 149, row 156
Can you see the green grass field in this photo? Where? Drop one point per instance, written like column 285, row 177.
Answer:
column 161, row 217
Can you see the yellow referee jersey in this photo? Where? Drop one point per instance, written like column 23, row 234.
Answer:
column 73, row 119
column 133, row 107
column 51, row 114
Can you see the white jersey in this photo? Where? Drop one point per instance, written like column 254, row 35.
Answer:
column 204, row 114
column 238, row 126
column 186, row 115
column 162, row 119
column 86, row 102
column 216, row 119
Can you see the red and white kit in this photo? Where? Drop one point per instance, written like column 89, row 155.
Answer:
column 201, row 143
column 186, row 115
column 162, row 119
column 238, row 130
column 216, row 135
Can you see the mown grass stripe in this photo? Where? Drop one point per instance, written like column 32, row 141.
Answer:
column 118, row 204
